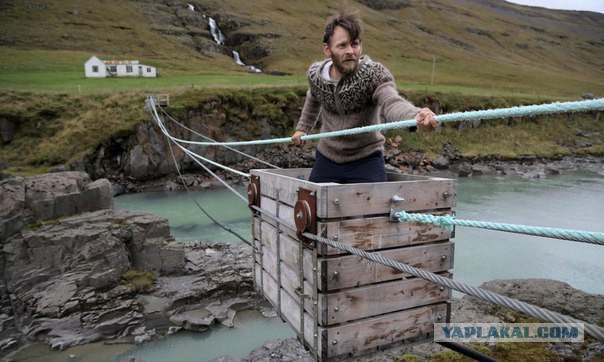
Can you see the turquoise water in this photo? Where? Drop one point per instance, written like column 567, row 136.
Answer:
column 187, row 220
column 574, row 201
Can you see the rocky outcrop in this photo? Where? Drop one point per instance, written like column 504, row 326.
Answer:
column 67, row 261
column 24, row 201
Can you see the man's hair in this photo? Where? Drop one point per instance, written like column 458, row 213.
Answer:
column 349, row 20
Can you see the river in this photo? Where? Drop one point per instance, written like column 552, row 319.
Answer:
column 572, row 201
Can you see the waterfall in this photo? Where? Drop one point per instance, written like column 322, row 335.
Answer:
column 219, row 39
column 238, row 61
column 216, row 33
column 237, row 58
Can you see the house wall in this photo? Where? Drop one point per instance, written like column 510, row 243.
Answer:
column 100, row 67
column 149, row 72
column 132, row 70
column 115, row 69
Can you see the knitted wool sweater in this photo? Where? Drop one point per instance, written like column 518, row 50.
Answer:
column 366, row 97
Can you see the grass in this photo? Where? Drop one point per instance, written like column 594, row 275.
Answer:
column 141, row 281
column 76, row 83
column 63, row 129
column 547, row 137
column 482, row 58
column 476, row 48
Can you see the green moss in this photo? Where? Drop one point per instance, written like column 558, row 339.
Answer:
column 142, row 281
column 407, row 358
column 41, row 223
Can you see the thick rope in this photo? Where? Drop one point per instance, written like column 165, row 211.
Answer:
column 448, row 221
column 534, row 311
column 229, row 230
column 519, row 111
column 211, row 140
column 192, row 154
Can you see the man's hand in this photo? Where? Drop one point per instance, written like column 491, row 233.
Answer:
column 426, row 120
column 296, row 138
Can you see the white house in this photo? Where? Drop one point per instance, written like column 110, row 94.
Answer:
column 96, row 68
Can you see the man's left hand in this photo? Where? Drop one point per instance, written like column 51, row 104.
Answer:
column 426, row 120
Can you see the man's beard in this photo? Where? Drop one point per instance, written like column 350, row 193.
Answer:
column 346, row 67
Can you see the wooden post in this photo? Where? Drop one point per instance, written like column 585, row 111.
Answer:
column 340, row 304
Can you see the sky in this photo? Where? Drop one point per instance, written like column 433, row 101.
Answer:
column 589, row 5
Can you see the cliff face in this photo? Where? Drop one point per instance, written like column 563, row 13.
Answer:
column 147, row 154
column 64, row 253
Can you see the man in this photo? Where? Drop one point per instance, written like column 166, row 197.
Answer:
column 348, row 90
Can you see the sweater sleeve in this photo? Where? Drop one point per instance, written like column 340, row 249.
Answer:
column 394, row 107
column 310, row 113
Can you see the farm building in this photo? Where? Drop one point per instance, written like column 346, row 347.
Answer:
column 97, row 68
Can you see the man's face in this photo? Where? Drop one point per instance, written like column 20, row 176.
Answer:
column 343, row 51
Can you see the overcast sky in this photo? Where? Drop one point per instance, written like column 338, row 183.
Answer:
column 589, row 5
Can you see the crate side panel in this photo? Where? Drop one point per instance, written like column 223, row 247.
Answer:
column 354, row 271
column 290, row 311
column 376, row 198
column 377, row 233
column 372, row 300
column 387, row 329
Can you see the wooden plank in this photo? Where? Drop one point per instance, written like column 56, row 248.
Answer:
column 290, row 311
column 285, row 183
column 387, row 329
column 379, row 233
column 372, row 300
column 290, row 279
column 286, row 212
column 376, row 198
column 419, row 193
column 289, row 249
column 353, row 270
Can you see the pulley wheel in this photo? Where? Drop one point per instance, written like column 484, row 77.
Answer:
column 302, row 216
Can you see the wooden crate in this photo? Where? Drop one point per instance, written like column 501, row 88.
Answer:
column 341, row 304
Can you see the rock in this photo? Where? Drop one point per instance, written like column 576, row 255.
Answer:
column 13, row 213
column 49, row 196
column 463, row 170
column 7, row 130
column 441, row 163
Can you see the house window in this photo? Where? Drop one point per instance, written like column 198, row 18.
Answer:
column 148, row 70
column 95, row 68
column 128, row 69
column 113, row 68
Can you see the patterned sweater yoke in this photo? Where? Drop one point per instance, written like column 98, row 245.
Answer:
column 366, row 97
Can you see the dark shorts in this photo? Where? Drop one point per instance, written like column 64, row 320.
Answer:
column 368, row 169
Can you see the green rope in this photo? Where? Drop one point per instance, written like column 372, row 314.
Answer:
column 519, row 111
column 448, row 221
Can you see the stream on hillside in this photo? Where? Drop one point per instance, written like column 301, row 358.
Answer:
column 573, row 201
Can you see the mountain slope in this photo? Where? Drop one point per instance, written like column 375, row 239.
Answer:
column 470, row 42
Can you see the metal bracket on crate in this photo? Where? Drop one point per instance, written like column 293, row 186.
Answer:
column 253, row 192
column 305, row 213
column 394, row 216
column 395, row 200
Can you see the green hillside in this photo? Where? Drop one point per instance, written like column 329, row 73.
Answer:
column 476, row 46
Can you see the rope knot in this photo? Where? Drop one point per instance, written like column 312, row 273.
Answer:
column 446, row 221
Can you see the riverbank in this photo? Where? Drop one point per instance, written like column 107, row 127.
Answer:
column 451, row 166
